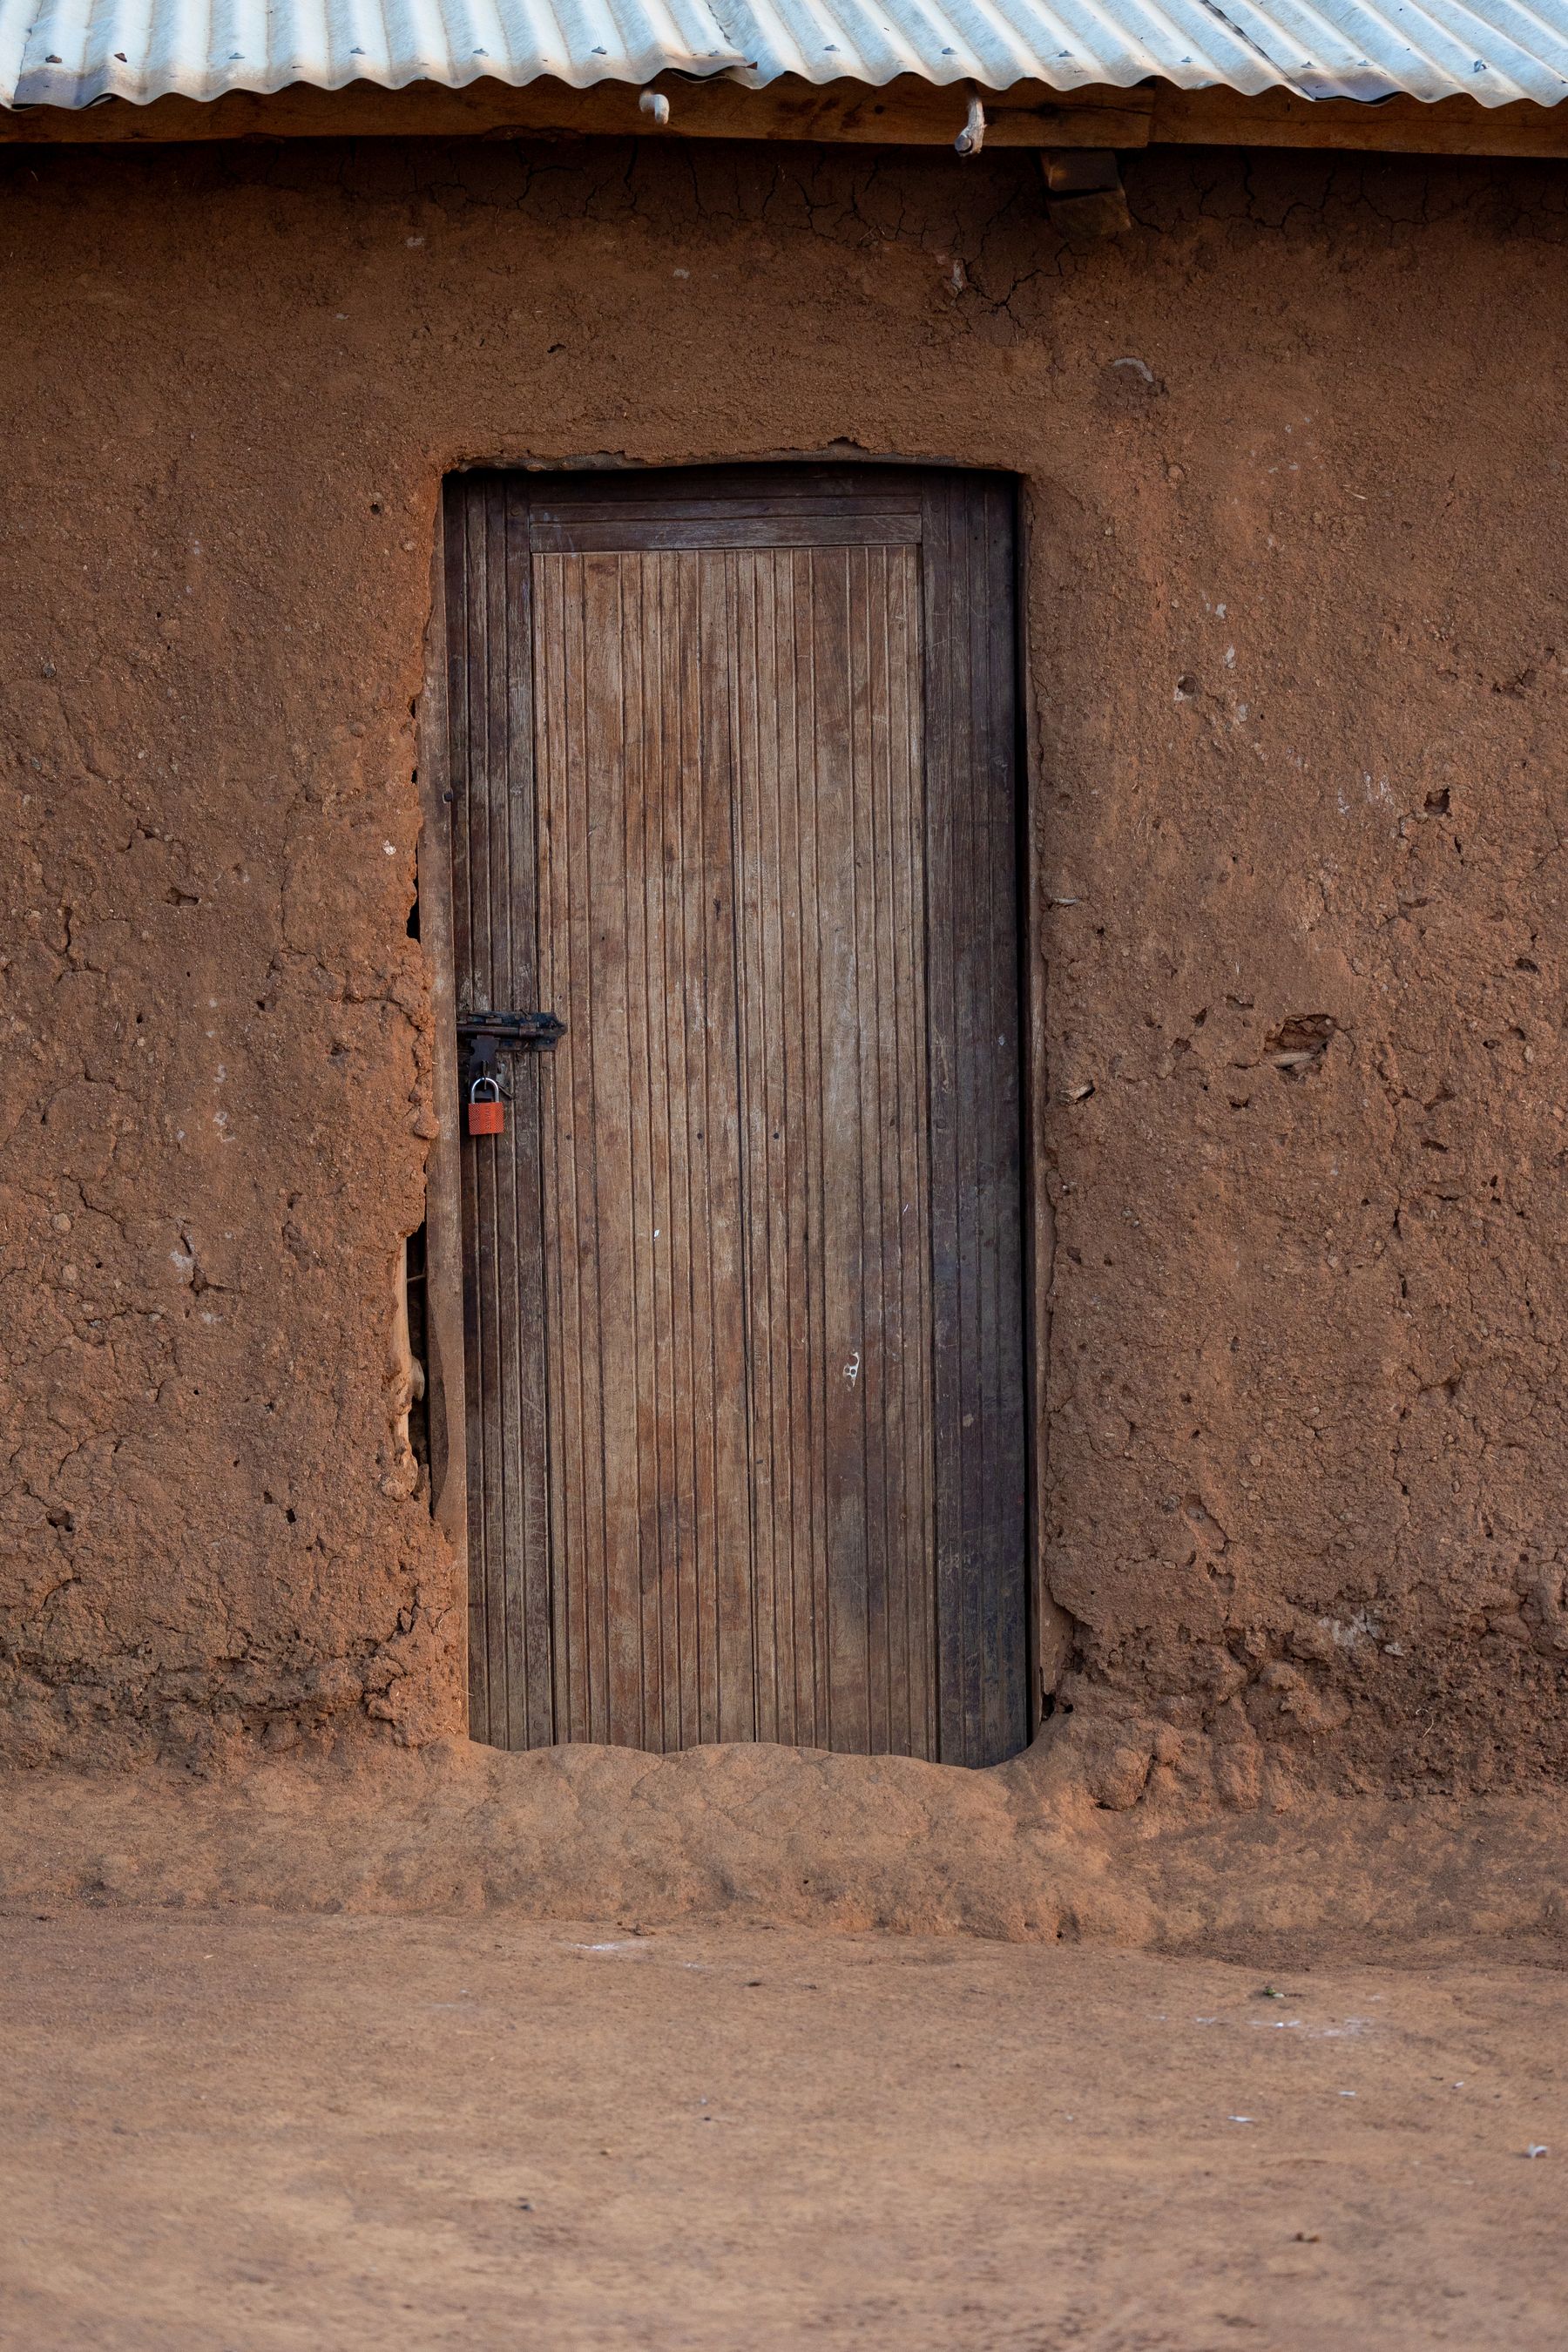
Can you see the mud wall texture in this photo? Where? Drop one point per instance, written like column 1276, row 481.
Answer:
column 1298, row 654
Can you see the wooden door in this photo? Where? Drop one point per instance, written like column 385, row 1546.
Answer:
column 733, row 762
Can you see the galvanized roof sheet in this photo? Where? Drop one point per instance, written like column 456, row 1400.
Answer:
column 72, row 52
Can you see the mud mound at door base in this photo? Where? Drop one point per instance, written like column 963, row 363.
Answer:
column 782, row 1836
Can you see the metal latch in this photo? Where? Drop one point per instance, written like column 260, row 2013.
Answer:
column 483, row 1037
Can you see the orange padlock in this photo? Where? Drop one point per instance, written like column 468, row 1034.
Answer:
column 487, row 1113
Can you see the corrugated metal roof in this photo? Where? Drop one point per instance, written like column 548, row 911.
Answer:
column 70, row 52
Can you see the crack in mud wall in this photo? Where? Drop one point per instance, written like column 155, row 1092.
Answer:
column 1299, row 652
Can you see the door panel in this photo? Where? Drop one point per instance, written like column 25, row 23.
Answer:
column 734, row 767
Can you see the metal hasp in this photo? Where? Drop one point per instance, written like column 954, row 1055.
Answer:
column 483, row 1037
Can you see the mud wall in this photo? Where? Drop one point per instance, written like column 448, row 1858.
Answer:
column 1297, row 643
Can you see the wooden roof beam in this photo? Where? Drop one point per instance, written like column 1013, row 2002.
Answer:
column 907, row 112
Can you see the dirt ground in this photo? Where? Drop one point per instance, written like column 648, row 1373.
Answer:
column 241, row 2133
column 750, row 2048
column 853, row 1844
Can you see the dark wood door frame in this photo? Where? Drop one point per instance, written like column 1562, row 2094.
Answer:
column 1049, row 1629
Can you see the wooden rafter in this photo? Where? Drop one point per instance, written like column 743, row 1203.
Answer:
column 906, row 112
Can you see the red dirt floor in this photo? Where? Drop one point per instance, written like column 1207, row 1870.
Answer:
column 238, row 2131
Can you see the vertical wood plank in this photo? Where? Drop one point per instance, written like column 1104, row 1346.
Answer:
column 687, row 1023
column 520, row 1266
column 493, row 930
column 912, row 1122
column 754, row 694
column 733, row 1706
column 462, row 654
column 562, row 1456
column 977, row 1210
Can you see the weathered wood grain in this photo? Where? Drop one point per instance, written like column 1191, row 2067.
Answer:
column 747, row 782
column 494, row 936
column 907, row 111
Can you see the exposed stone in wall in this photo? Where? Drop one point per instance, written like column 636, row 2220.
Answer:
column 1298, row 648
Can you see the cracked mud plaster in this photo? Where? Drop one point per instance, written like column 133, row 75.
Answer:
column 1297, row 640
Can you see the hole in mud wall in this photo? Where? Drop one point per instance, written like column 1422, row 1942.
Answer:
column 416, row 1295
column 416, row 1306
column 1298, row 1047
